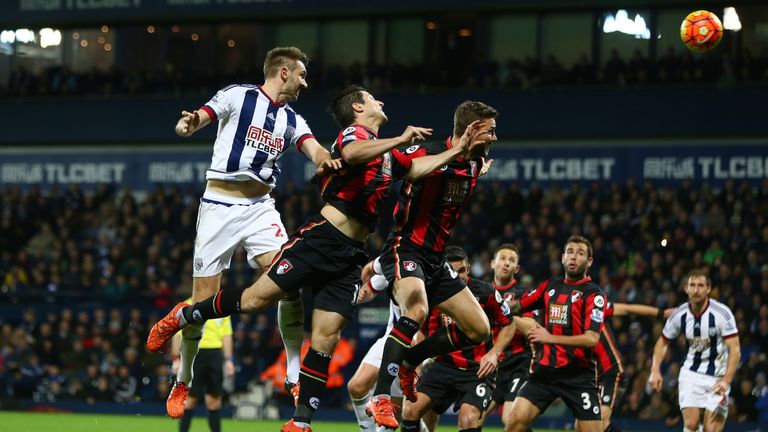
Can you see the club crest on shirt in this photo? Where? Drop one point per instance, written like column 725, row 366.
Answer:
column 284, row 267
column 409, row 266
column 575, row 296
column 558, row 314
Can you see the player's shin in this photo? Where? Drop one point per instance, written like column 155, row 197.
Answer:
column 290, row 318
column 190, row 342
column 224, row 303
column 365, row 422
column 312, row 378
column 397, row 345
column 440, row 342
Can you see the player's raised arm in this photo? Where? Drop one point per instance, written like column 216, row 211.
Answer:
column 364, row 151
column 191, row 122
column 425, row 165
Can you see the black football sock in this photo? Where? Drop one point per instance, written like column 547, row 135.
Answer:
column 224, row 303
column 410, row 425
column 395, row 348
column 186, row 420
column 441, row 342
column 312, row 379
column 477, row 429
column 214, row 420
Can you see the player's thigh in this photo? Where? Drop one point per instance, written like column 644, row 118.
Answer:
column 217, row 237
column 261, row 294
column 262, row 233
column 589, row 425
column 506, row 411
column 326, row 330
column 213, row 402
column 464, row 309
column 713, row 422
column 411, row 295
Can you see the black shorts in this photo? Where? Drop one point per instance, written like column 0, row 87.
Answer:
column 400, row 259
column 320, row 257
column 610, row 386
column 575, row 388
column 208, row 373
column 446, row 385
column 510, row 378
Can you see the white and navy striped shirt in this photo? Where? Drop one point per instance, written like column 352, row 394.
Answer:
column 704, row 334
column 254, row 132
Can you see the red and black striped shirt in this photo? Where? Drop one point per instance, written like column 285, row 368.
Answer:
column 518, row 352
column 608, row 357
column 429, row 208
column 359, row 191
column 499, row 315
column 569, row 309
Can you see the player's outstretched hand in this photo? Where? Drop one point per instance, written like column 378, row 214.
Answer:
column 366, row 293
column 486, row 166
column 415, row 133
column 328, row 166
column 469, row 135
column 539, row 334
column 655, row 380
column 488, row 364
column 188, row 123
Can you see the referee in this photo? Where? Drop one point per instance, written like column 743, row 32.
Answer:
column 208, row 373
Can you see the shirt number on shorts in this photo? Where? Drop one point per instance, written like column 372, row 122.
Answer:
column 515, row 382
column 279, row 232
column 585, row 399
column 480, row 390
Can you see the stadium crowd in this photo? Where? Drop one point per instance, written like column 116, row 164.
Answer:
column 112, row 261
column 672, row 67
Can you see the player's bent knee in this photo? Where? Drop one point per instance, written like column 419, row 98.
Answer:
column 469, row 418
column 356, row 388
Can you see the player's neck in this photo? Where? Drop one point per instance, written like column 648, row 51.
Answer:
column 575, row 278
column 500, row 282
column 369, row 123
column 272, row 88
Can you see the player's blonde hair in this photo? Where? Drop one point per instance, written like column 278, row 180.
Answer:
column 279, row 57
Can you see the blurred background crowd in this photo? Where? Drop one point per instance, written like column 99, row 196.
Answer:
column 109, row 263
column 635, row 70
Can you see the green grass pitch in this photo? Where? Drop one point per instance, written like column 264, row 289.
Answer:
column 56, row 422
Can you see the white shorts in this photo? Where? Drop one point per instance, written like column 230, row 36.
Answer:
column 373, row 358
column 253, row 223
column 695, row 391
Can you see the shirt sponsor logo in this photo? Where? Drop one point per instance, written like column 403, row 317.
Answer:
column 699, row 344
column 558, row 314
column 456, row 191
column 262, row 140
column 284, row 267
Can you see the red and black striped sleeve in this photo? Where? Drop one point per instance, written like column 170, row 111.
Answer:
column 594, row 316
column 533, row 300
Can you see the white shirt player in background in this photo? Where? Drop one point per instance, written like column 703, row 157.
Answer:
column 713, row 355
column 256, row 126
column 362, row 382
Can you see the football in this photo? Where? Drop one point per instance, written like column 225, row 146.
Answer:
column 701, row 31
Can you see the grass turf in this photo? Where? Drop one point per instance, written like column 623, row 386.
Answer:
column 61, row 422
